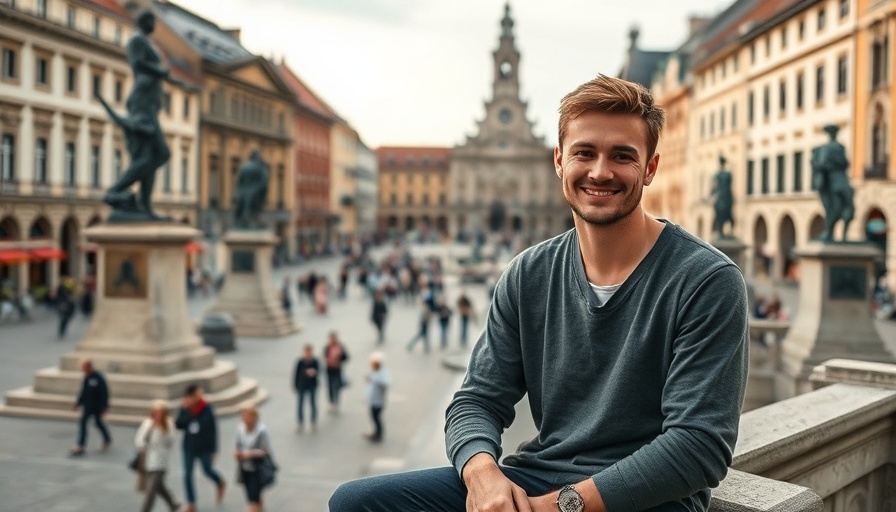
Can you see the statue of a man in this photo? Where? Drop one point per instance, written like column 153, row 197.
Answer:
column 251, row 191
column 724, row 201
column 830, row 177
column 143, row 134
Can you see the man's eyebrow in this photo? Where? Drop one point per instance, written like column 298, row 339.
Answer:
column 625, row 148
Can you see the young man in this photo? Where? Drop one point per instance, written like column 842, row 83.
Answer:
column 197, row 420
column 93, row 401
column 628, row 334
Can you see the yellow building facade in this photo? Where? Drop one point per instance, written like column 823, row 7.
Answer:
column 413, row 190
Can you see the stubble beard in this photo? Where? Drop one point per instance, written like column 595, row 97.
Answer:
column 607, row 219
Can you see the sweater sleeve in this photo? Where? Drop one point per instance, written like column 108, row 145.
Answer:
column 140, row 439
column 701, row 402
column 484, row 405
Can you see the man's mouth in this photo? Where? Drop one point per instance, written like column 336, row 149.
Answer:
column 598, row 193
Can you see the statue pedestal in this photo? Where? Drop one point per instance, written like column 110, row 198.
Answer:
column 140, row 336
column 834, row 320
column 731, row 247
column 249, row 295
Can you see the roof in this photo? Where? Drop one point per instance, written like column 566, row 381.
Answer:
column 209, row 40
column 413, row 157
column 304, row 95
column 112, row 6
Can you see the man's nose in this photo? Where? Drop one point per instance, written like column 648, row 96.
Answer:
column 601, row 170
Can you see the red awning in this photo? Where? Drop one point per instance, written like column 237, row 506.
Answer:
column 194, row 247
column 47, row 253
column 11, row 256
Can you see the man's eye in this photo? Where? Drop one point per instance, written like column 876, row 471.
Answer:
column 623, row 156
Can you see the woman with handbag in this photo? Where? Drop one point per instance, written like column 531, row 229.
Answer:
column 154, row 440
column 255, row 467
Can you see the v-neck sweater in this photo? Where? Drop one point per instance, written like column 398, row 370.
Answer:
column 643, row 394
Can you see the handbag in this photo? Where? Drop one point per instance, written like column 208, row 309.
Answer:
column 138, row 461
column 267, row 470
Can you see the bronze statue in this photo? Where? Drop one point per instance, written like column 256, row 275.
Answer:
column 830, row 177
column 724, row 201
column 143, row 135
column 251, row 192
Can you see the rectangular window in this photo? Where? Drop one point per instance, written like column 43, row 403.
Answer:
column 442, row 199
column 8, row 158
column 753, row 53
column 764, row 186
column 750, row 101
column 766, row 101
column 71, row 79
column 722, row 120
column 783, row 37
column 844, row 8
column 119, row 91
column 116, row 163
column 166, row 177
column 734, row 63
column 392, row 199
column 70, row 163
column 819, row 84
column 40, row 161
column 798, row 171
column 779, row 179
column 712, row 123
column 425, row 200
column 768, row 45
column 842, row 75
column 749, row 179
column 801, row 29
column 702, row 127
column 96, row 27
column 782, row 96
column 70, row 16
column 186, row 107
column 97, row 85
column 42, row 8
column 117, row 37
column 184, row 176
column 95, row 166
column 213, row 181
column 821, row 19
column 10, row 69
column 409, row 198
column 166, row 102
column 800, row 78
column 42, row 71
column 734, row 116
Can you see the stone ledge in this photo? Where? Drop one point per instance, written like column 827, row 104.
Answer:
column 743, row 492
column 850, row 371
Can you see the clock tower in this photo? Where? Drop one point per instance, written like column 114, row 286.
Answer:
column 502, row 178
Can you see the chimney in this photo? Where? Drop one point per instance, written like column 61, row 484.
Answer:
column 234, row 33
column 695, row 23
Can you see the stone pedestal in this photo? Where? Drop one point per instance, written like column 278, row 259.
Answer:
column 140, row 336
column 249, row 295
column 834, row 318
column 731, row 247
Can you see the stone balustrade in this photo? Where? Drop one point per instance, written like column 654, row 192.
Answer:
column 836, row 443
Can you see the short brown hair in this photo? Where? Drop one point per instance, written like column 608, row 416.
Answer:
column 614, row 96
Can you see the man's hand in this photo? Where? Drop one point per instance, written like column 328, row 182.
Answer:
column 488, row 490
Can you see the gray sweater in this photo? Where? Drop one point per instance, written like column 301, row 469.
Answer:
column 643, row 394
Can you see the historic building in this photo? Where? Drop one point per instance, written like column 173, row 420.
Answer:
column 245, row 105
column 502, row 178
column 60, row 151
column 313, row 126
column 413, row 190
column 366, row 177
column 342, row 219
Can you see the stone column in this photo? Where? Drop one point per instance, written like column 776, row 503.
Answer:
column 834, row 319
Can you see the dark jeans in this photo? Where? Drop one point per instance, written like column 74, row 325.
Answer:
column 64, row 319
column 375, row 414
column 464, row 323
column 312, row 397
column 334, row 384
column 98, row 421
column 205, row 459
column 155, row 485
column 423, row 336
column 432, row 490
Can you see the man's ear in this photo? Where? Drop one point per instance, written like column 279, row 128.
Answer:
column 652, row 165
column 558, row 161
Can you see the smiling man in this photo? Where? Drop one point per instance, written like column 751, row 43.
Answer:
column 628, row 335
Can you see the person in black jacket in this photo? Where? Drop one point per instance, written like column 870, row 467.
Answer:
column 305, row 383
column 93, row 401
column 197, row 420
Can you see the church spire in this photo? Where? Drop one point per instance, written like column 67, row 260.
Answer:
column 507, row 22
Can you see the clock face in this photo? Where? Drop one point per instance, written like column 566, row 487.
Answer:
column 506, row 69
column 505, row 116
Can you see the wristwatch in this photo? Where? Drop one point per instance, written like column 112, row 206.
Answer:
column 569, row 500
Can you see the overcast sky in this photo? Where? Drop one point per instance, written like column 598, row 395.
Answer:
column 416, row 72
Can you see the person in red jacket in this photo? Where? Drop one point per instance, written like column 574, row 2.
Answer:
column 197, row 420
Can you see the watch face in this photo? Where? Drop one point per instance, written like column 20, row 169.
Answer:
column 505, row 115
column 569, row 500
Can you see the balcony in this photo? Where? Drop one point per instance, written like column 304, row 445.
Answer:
column 877, row 171
column 9, row 187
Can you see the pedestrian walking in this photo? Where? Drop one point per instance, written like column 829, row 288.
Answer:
column 321, row 295
column 377, row 384
column 285, row 301
column 94, row 402
column 197, row 419
column 379, row 314
column 444, row 312
column 466, row 312
column 343, row 280
column 254, row 457
column 637, row 407
column 65, row 304
column 335, row 356
column 154, row 438
column 423, row 332
column 305, row 383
